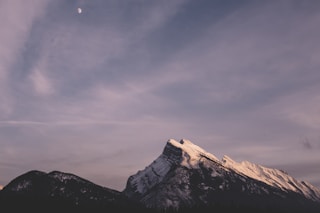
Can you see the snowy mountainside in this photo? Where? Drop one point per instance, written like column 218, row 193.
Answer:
column 184, row 153
column 273, row 177
column 185, row 175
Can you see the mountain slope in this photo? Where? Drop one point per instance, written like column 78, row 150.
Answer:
column 185, row 175
column 36, row 190
column 273, row 177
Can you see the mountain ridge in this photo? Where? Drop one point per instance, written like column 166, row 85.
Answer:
column 184, row 176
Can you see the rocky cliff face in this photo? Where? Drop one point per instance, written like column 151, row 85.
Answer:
column 185, row 175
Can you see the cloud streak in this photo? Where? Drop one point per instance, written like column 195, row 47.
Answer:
column 15, row 27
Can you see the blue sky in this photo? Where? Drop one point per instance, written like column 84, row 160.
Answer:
column 99, row 93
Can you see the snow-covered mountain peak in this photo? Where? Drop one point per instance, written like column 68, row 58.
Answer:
column 190, row 154
column 183, row 166
column 183, row 153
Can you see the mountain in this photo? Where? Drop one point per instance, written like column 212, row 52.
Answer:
column 57, row 191
column 186, row 176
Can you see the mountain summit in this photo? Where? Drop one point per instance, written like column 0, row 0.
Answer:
column 185, row 175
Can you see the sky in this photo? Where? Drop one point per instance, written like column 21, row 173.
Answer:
column 98, row 91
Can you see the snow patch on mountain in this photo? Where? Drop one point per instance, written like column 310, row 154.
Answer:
column 23, row 185
column 183, row 153
column 191, row 153
column 272, row 177
column 64, row 177
column 151, row 175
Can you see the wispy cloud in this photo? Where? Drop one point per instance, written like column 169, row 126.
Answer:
column 16, row 20
column 41, row 83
